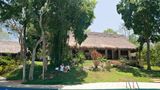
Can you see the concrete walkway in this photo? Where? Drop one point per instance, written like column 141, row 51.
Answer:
column 102, row 85
column 2, row 78
column 17, row 84
column 114, row 85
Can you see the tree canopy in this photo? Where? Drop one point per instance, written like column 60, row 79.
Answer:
column 44, row 25
column 143, row 16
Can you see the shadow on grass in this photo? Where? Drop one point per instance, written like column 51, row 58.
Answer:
column 75, row 76
column 140, row 72
column 17, row 74
column 152, row 73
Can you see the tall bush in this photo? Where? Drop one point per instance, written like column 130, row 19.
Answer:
column 95, row 55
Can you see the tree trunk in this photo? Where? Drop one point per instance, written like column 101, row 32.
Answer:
column 44, row 60
column 139, row 56
column 148, row 55
column 43, row 48
column 31, row 71
column 24, row 70
column 22, row 54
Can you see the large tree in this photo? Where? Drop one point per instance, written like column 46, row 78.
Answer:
column 143, row 16
column 17, row 13
column 44, row 26
column 72, row 15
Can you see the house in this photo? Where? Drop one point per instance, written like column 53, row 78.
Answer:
column 110, row 45
column 9, row 48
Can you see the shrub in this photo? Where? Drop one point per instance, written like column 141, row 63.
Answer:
column 154, row 52
column 123, row 60
column 96, row 63
column 108, row 66
column 79, row 59
column 6, row 64
column 6, row 60
column 95, row 55
column 102, row 59
column 116, row 63
column 100, row 62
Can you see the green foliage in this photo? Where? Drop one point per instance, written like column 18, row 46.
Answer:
column 96, row 63
column 133, row 39
column 6, row 60
column 7, row 64
column 58, row 20
column 142, row 16
column 102, row 59
column 108, row 66
column 110, row 31
column 17, row 73
column 79, row 58
column 77, row 76
column 72, row 15
column 97, row 59
column 101, row 64
column 123, row 60
column 155, row 53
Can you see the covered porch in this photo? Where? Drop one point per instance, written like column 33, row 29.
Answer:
column 110, row 53
column 119, row 53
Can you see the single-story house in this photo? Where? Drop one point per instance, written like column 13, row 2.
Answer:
column 9, row 48
column 110, row 45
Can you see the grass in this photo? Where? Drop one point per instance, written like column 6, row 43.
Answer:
column 153, row 67
column 88, row 63
column 77, row 76
column 17, row 73
column 113, row 76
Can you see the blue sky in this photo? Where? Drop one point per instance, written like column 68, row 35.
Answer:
column 106, row 16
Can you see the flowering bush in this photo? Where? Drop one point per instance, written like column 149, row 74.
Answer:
column 95, row 55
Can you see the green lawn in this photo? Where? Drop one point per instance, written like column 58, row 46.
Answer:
column 76, row 75
column 153, row 67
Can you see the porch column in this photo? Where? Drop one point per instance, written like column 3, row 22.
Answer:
column 129, row 54
column 119, row 54
column 90, row 50
column 113, row 54
column 106, row 53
